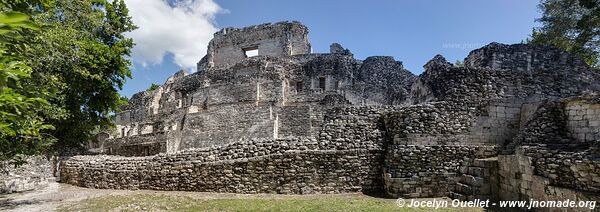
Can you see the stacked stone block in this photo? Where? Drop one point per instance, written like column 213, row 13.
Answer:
column 34, row 174
column 427, row 171
column 478, row 179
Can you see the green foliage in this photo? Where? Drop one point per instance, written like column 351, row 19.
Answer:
column 62, row 64
column 152, row 87
column 81, row 60
column 14, row 21
column 459, row 63
column 572, row 25
column 23, row 6
column 22, row 125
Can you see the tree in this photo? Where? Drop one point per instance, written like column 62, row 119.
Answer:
column 572, row 25
column 82, row 60
column 459, row 63
column 60, row 83
column 152, row 87
column 23, row 128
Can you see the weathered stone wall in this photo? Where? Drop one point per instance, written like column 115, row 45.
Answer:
column 519, row 181
column 522, row 57
column 137, row 145
column 444, row 123
column 354, row 127
column 294, row 121
column 32, row 175
column 296, row 171
column 477, row 179
column 413, row 171
column 278, row 40
column 412, row 160
column 475, row 84
column 550, row 158
column 338, row 161
column 227, row 123
column 583, row 119
column 385, row 81
column 560, row 152
column 345, row 157
column 570, row 169
column 258, row 97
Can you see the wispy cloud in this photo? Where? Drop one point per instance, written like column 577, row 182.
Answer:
column 182, row 28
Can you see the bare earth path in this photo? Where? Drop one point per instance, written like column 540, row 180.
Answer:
column 49, row 198
column 68, row 198
column 58, row 194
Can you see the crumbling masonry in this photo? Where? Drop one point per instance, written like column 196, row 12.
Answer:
column 516, row 122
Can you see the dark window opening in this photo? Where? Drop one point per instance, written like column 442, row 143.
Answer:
column 322, row 83
column 204, row 104
column 299, row 86
column 251, row 51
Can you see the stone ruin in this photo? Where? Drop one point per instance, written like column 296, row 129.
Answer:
column 263, row 114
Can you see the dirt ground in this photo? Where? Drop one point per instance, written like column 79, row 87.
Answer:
column 58, row 194
column 49, row 198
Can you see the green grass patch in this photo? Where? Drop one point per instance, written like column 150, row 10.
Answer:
column 148, row 202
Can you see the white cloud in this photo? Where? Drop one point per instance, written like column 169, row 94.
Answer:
column 182, row 28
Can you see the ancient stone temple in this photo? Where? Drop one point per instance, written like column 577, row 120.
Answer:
column 263, row 114
column 283, row 91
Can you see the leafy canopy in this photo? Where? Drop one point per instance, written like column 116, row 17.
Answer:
column 61, row 66
column 152, row 87
column 83, row 61
column 23, row 129
column 572, row 25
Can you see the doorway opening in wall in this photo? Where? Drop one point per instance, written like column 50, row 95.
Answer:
column 299, row 86
column 322, row 83
column 251, row 51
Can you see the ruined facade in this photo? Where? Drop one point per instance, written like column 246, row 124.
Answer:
column 282, row 92
column 516, row 122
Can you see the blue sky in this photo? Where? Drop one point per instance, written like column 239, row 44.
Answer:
column 410, row 31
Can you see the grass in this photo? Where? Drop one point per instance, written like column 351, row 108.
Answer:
column 150, row 202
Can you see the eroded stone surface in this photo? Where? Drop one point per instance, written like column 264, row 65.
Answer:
column 32, row 175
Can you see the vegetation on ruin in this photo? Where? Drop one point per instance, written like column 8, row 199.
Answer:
column 152, row 87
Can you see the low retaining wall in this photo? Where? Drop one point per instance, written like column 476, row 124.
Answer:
column 291, row 172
